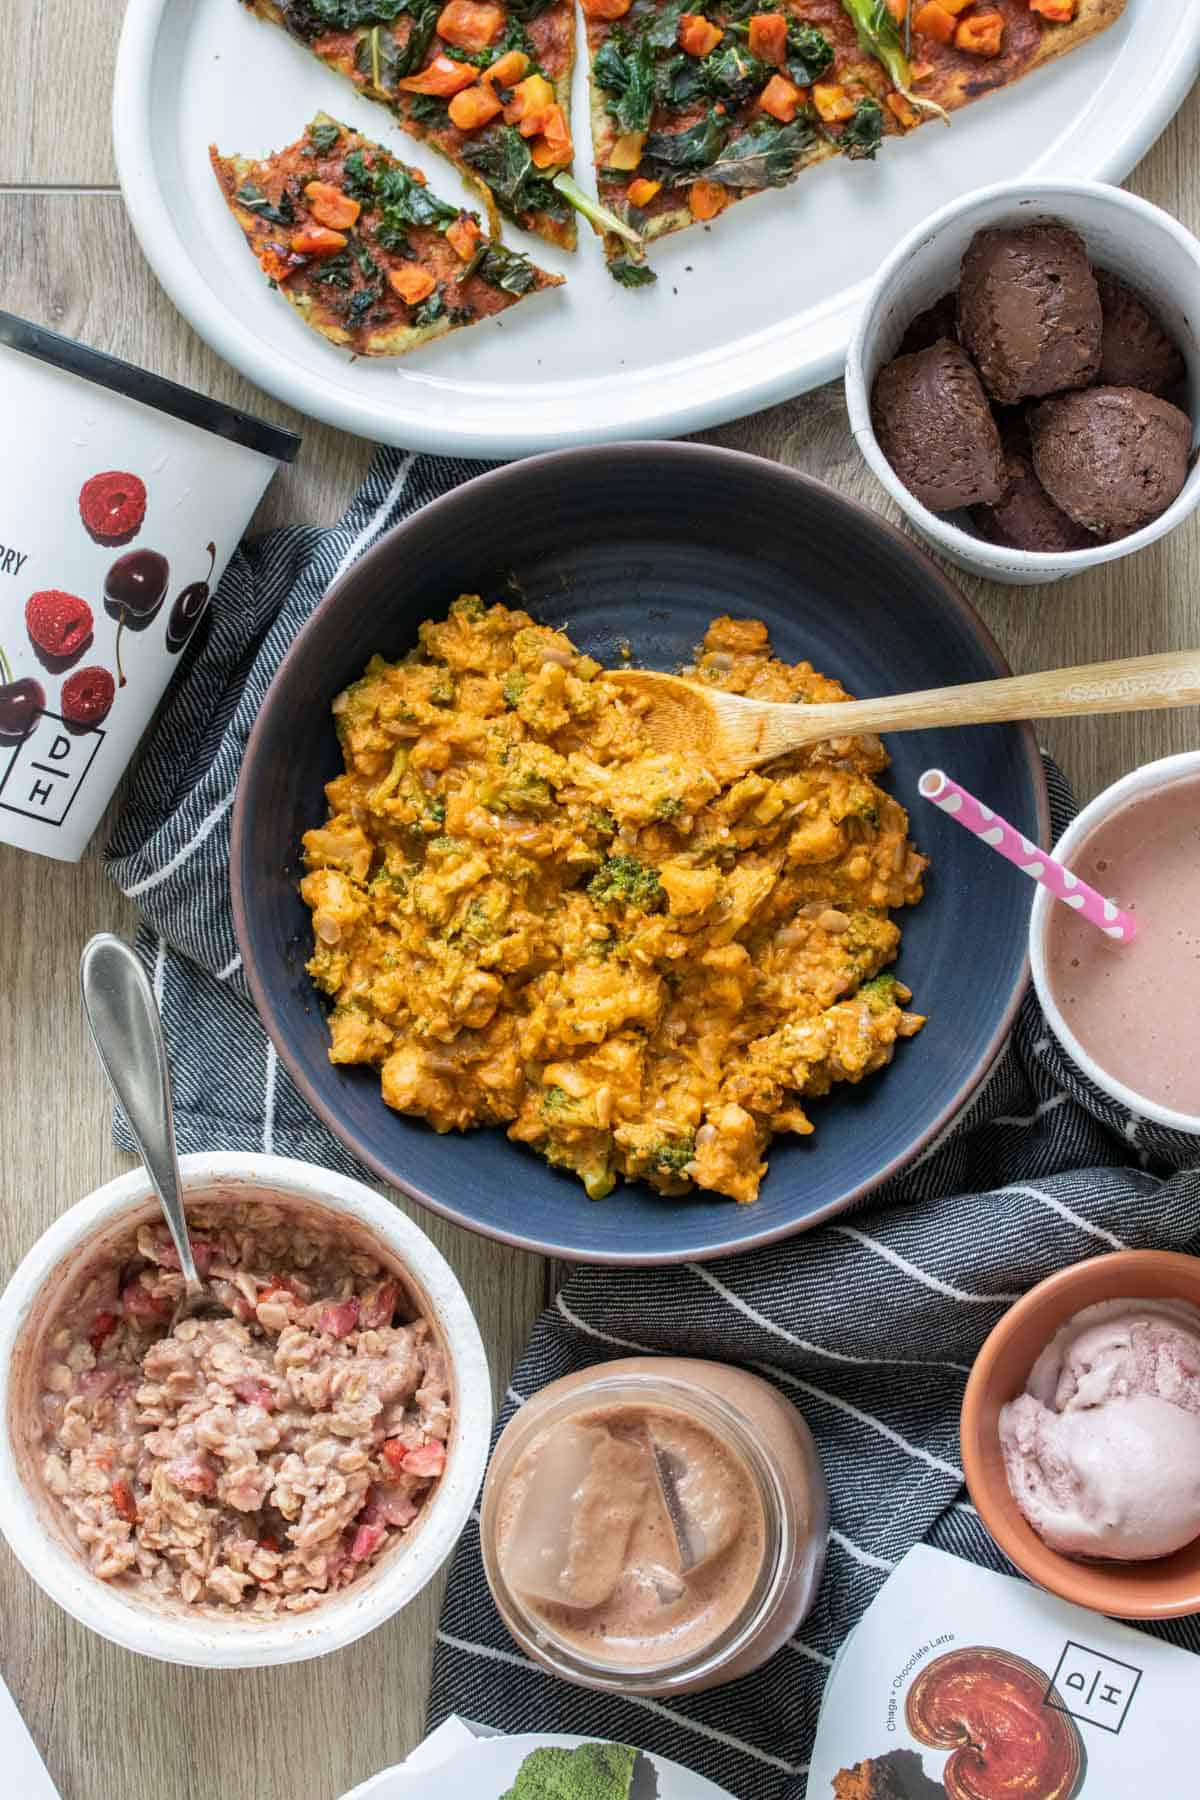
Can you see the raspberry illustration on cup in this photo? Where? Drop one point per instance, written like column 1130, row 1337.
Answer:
column 134, row 589
column 21, row 704
column 86, row 698
column 112, row 506
column 59, row 626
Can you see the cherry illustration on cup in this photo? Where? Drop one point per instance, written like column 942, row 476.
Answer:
column 134, row 589
column 21, row 704
column 190, row 606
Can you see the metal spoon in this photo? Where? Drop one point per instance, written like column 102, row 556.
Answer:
column 127, row 1032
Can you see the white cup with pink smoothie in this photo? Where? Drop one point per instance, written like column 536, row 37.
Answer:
column 1126, row 1014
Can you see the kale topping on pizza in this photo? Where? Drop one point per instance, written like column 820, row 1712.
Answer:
column 695, row 110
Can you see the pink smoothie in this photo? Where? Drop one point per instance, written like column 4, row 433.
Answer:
column 1134, row 1007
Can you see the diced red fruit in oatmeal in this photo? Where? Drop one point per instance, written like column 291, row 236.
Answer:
column 281, row 1284
column 256, row 1393
column 423, row 1460
column 192, row 1475
column 154, row 1243
column 139, row 1304
column 378, row 1308
column 339, row 1320
column 103, row 1326
column 122, row 1499
column 367, row 1540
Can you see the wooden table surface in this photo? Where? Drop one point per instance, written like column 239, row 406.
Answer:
column 110, row 1724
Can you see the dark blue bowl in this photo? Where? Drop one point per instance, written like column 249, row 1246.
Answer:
column 647, row 543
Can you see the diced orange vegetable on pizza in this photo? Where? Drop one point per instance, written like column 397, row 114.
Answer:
column 553, row 144
column 606, row 9
column 982, row 34
column 474, row 107
column 906, row 113
column 507, row 70
column 464, row 237
column 898, row 9
column 274, row 265
column 329, row 206
column 641, row 192
column 318, row 240
column 530, row 103
column 832, row 101
column 470, row 24
column 768, row 37
column 707, row 199
column 442, row 78
column 1059, row 12
column 412, row 283
column 935, row 22
column 781, row 98
column 698, row 35
column 626, row 152
column 921, row 71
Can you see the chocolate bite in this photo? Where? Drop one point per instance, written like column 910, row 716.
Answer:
column 1026, row 518
column 937, row 321
column 1112, row 458
column 936, row 428
column 1029, row 311
column 1135, row 351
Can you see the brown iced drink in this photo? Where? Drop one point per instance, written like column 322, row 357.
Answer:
column 654, row 1524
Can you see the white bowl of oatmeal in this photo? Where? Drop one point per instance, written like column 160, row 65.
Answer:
column 248, row 1490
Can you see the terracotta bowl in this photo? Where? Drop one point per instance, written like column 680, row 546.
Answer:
column 1168, row 1587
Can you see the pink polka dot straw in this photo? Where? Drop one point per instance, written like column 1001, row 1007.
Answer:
column 1000, row 836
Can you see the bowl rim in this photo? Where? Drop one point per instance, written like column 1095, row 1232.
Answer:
column 241, row 858
column 233, row 1643
column 1147, row 778
column 988, row 558
column 998, row 1518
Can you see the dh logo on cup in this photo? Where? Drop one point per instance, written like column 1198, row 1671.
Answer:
column 1097, row 1689
column 47, row 770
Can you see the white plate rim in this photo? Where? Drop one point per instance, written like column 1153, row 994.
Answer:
column 376, row 1786
column 696, row 392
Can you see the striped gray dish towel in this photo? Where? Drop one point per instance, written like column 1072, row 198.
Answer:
column 868, row 1325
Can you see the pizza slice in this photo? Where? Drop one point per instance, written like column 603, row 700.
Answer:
column 694, row 111
column 358, row 244
column 487, row 82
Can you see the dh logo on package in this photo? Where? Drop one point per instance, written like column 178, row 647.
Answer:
column 47, row 770
column 1098, row 1689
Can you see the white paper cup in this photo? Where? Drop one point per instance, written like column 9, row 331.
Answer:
column 1142, row 244
column 194, row 472
column 39, row 1534
column 1151, row 778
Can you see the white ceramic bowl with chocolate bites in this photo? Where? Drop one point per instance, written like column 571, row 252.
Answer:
column 1030, row 398
column 251, row 1489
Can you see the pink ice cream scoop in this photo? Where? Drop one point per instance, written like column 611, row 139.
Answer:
column 1102, row 1451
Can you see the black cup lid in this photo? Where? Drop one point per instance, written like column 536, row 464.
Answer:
column 152, row 390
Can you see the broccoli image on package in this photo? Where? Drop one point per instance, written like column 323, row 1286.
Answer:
column 592, row 1772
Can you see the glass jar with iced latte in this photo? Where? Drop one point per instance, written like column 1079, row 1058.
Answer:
column 655, row 1525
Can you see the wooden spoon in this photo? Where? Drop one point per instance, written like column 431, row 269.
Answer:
column 730, row 732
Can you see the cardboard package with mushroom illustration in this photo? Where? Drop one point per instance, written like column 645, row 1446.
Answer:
column 959, row 1684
